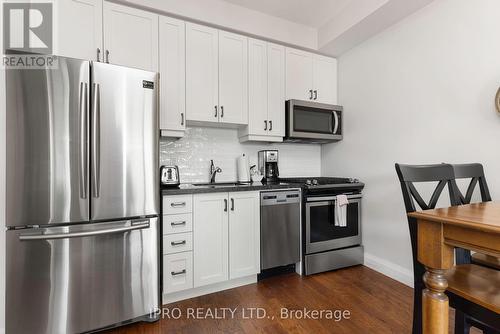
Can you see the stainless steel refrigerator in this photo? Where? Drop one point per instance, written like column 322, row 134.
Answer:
column 82, row 197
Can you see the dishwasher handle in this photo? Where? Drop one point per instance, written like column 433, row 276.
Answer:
column 280, row 198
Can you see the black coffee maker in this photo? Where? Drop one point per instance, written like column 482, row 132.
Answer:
column 268, row 165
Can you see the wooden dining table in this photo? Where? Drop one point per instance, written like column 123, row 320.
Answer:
column 475, row 227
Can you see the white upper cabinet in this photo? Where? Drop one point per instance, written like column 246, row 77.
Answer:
column 299, row 74
column 244, row 234
column 210, row 233
column 216, row 76
column 130, row 37
column 325, row 79
column 172, row 66
column 276, row 89
column 257, row 87
column 78, row 29
column 310, row 77
column 233, row 78
column 266, row 92
column 202, row 75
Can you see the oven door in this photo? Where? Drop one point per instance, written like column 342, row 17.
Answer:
column 313, row 121
column 321, row 232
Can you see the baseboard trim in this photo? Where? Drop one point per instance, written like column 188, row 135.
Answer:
column 205, row 290
column 390, row 269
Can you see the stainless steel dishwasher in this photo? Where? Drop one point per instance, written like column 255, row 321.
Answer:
column 279, row 228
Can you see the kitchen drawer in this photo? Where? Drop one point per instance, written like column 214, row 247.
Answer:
column 177, row 204
column 177, row 223
column 176, row 243
column 177, row 272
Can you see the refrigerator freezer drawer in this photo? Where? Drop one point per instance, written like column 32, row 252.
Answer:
column 74, row 279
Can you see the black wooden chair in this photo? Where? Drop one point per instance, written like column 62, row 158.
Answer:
column 469, row 313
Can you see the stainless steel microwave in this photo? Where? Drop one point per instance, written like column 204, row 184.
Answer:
column 313, row 122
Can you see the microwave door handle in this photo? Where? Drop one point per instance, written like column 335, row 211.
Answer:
column 336, row 121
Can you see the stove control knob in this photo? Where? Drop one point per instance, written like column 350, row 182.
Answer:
column 315, row 182
column 353, row 180
column 308, row 182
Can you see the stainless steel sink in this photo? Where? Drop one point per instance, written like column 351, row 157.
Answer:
column 221, row 184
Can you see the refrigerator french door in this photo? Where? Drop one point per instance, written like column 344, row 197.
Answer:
column 82, row 204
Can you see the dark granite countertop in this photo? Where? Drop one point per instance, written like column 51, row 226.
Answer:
column 187, row 188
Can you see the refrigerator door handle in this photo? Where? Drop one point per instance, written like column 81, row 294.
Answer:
column 53, row 236
column 83, row 103
column 96, row 145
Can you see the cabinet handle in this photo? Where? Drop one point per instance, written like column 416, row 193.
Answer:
column 265, row 125
column 221, row 111
column 270, row 125
column 107, row 56
column 315, row 94
column 232, row 204
column 178, row 223
column 175, row 273
column 182, row 118
column 225, row 205
column 215, row 111
column 178, row 243
column 98, row 54
column 310, row 94
column 178, row 204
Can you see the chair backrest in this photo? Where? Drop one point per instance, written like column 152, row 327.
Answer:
column 475, row 172
column 410, row 174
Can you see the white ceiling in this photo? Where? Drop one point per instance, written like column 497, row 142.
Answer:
column 313, row 13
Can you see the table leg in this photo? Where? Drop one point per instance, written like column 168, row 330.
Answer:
column 435, row 310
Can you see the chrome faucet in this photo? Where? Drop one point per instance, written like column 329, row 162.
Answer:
column 213, row 171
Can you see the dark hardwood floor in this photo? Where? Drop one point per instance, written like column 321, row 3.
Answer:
column 377, row 304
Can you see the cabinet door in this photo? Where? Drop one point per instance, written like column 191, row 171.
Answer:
column 202, row 76
column 130, row 37
column 257, row 87
column 233, row 78
column 79, row 28
column 172, row 63
column 210, row 233
column 244, row 234
column 325, row 79
column 299, row 74
column 276, row 89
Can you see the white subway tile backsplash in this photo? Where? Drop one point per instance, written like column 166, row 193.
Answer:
column 193, row 153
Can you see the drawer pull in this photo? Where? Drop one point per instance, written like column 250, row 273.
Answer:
column 178, row 204
column 178, row 243
column 175, row 273
column 178, row 223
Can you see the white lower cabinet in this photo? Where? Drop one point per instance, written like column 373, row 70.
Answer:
column 177, row 272
column 226, row 236
column 210, row 241
column 244, row 234
column 210, row 238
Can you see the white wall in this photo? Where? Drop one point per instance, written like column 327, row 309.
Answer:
column 193, row 154
column 420, row 92
column 230, row 16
